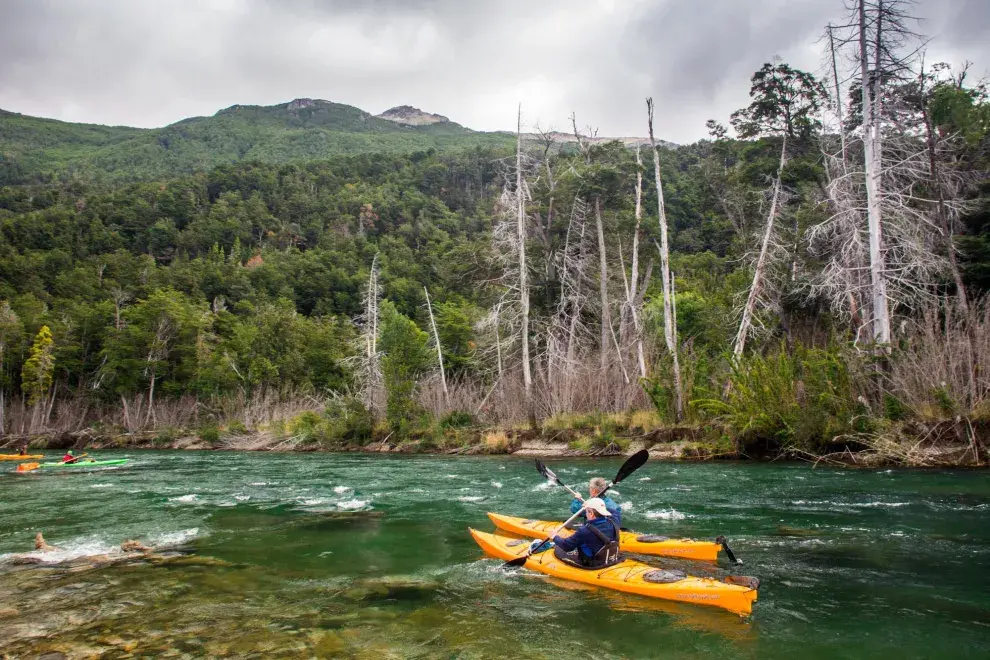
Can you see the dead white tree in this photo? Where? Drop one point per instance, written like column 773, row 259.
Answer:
column 669, row 322
column 872, row 155
column 567, row 334
column 368, row 359
column 165, row 332
column 606, row 310
column 635, row 292
column 755, row 289
column 523, row 283
column 436, row 340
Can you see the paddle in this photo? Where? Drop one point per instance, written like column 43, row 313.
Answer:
column 728, row 551
column 519, row 561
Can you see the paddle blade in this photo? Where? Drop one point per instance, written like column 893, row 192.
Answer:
column 27, row 467
column 541, row 468
column 728, row 551
column 632, row 464
column 517, row 562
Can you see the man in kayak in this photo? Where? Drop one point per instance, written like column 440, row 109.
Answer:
column 596, row 487
column 69, row 458
column 595, row 544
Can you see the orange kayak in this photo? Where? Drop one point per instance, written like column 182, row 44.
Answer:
column 644, row 544
column 19, row 457
column 629, row 576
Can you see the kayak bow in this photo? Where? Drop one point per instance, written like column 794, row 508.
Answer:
column 644, row 544
column 629, row 576
column 19, row 457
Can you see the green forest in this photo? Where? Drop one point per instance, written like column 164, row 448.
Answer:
column 339, row 279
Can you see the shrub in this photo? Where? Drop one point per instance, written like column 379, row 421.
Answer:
column 801, row 400
column 210, row 434
column 457, row 419
column 496, row 442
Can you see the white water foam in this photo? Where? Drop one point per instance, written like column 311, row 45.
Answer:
column 644, row 479
column 854, row 505
column 185, row 499
column 168, row 539
column 626, row 506
column 352, row 505
column 471, row 498
column 313, row 501
column 666, row 515
column 546, row 485
column 496, row 484
column 68, row 550
column 102, row 486
column 340, row 490
column 242, row 498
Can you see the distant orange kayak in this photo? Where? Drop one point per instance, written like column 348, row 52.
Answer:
column 630, row 576
column 19, row 457
column 643, row 544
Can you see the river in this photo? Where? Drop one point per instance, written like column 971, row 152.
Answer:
column 359, row 556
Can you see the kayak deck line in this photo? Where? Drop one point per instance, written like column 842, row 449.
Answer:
column 629, row 541
column 628, row 576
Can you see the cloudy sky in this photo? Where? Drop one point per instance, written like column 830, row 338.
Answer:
column 153, row 62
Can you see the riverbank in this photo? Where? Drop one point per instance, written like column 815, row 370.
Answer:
column 950, row 443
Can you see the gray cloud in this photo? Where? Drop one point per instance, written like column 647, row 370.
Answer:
column 149, row 64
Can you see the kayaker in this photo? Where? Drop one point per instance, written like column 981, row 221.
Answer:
column 595, row 544
column 24, row 449
column 69, row 458
column 596, row 487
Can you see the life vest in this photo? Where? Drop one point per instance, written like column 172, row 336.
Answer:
column 608, row 554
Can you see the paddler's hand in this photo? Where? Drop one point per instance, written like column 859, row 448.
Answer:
column 535, row 545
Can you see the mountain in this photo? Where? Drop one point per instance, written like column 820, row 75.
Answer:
column 34, row 149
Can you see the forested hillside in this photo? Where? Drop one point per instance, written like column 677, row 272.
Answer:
column 34, row 150
column 259, row 269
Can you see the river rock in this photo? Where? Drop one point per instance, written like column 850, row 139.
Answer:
column 8, row 612
column 402, row 587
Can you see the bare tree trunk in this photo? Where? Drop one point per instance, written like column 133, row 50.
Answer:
column 838, row 93
column 761, row 261
column 872, row 159
column 150, row 415
column 436, row 339
column 523, row 283
column 669, row 322
column 634, row 283
column 606, row 315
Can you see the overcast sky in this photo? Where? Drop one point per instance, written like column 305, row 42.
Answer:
column 153, row 62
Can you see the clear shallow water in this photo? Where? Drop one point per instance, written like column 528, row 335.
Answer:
column 303, row 555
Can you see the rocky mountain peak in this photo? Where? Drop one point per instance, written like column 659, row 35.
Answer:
column 406, row 114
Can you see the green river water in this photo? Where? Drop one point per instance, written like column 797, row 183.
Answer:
column 358, row 556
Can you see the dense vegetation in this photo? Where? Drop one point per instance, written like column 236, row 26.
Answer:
column 243, row 264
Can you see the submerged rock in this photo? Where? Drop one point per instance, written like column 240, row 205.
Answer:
column 398, row 587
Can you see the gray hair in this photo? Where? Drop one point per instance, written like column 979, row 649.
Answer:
column 596, row 485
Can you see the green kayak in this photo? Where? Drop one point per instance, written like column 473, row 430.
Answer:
column 82, row 464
